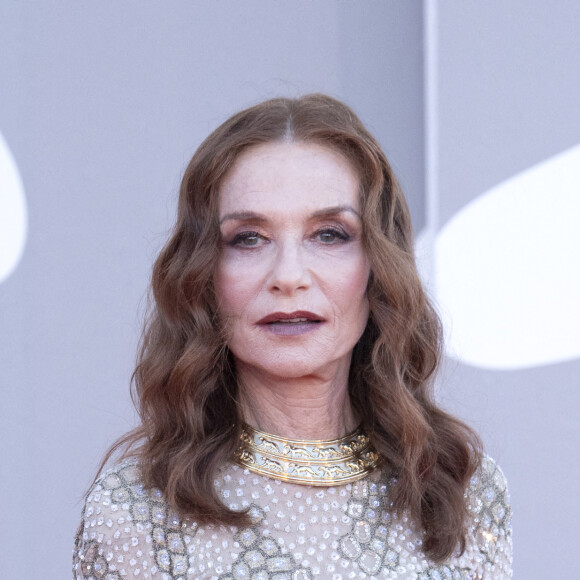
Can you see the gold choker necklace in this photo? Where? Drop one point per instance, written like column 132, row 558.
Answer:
column 321, row 463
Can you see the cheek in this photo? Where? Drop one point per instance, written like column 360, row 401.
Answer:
column 235, row 287
column 347, row 290
column 224, row 283
column 353, row 283
column 358, row 305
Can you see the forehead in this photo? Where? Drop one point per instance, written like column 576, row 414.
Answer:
column 289, row 176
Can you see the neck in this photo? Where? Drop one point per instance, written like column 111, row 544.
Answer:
column 313, row 407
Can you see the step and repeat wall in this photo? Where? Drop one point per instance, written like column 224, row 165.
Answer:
column 103, row 103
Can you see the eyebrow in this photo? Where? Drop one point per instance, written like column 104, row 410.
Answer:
column 324, row 212
column 335, row 210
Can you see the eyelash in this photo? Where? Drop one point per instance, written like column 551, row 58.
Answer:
column 241, row 237
column 340, row 234
column 238, row 239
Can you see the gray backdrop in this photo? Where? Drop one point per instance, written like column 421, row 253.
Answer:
column 103, row 103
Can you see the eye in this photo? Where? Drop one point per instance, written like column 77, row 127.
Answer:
column 331, row 236
column 247, row 240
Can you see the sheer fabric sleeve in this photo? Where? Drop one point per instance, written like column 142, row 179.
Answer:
column 123, row 531
column 490, row 528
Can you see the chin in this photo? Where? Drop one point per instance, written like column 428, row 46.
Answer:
column 290, row 369
column 290, row 362
column 300, row 365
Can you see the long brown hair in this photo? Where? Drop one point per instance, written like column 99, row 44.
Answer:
column 185, row 384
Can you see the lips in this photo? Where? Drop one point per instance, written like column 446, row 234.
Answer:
column 291, row 325
column 297, row 317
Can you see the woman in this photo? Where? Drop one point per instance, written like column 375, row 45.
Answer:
column 287, row 424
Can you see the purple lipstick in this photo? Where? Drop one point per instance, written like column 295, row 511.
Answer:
column 291, row 323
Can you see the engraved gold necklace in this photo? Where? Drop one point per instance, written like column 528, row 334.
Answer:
column 307, row 462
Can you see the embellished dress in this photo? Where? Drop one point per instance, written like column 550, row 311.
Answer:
column 298, row 532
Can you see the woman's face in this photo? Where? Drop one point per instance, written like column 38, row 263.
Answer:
column 292, row 275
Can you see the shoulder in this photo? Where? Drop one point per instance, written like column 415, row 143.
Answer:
column 118, row 525
column 120, row 492
column 489, row 524
column 119, row 496
column 487, row 492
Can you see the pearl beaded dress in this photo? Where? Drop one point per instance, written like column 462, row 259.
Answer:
column 299, row 532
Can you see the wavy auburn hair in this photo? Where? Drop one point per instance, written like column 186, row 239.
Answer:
column 184, row 385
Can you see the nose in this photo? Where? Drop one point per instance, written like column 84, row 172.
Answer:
column 289, row 272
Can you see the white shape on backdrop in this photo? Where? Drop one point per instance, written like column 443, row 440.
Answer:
column 507, row 270
column 13, row 215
